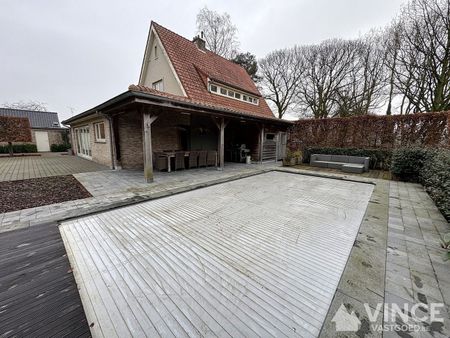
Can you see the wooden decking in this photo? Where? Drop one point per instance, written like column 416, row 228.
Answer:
column 38, row 294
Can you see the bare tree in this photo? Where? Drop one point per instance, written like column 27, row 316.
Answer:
column 27, row 105
column 362, row 90
column 281, row 71
column 219, row 32
column 327, row 66
column 422, row 74
column 392, row 44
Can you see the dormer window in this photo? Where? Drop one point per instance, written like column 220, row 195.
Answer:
column 158, row 85
column 232, row 93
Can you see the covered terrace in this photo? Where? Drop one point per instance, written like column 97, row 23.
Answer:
column 151, row 130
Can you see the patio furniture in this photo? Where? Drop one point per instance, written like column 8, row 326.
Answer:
column 211, row 158
column 193, row 159
column 161, row 161
column 237, row 153
column 349, row 164
column 179, row 160
column 202, row 155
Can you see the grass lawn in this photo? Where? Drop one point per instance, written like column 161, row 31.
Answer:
column 35, row 192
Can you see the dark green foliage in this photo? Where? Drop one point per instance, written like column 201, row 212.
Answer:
column 249, row 63
column 19, row 148
column 60, row 147
column 379, row 158
column 435, row 177
column 431, row 168
column 407, row 163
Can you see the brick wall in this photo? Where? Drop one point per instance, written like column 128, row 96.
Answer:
column 54, row 136
column 165, row 136
column 101, row 151
column 166, row 131
column 130, row 140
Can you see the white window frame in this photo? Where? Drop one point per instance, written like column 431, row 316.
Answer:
column 97, row 133
column 232, row 93
column 158, row 85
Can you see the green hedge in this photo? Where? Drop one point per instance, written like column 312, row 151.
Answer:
column 379, row 158
column 60, row 147
column 431, row 168
column 19, row 148
column 407, row 163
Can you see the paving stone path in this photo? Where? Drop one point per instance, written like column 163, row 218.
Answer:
column 396, row 258
column 25, row 167
column 415, row 269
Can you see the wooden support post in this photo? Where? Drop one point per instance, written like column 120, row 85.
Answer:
column 115, row 162
column 261, row 144
column 147, row 138
column 222, row 143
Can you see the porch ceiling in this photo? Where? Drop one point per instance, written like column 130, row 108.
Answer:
column 131, row 100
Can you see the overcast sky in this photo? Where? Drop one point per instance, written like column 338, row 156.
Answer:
column 75, row 54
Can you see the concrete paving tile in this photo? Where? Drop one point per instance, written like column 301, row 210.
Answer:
column 363, row 276
column 429, row 291
column 394, row 271
column 399, row 290
column 351, row 305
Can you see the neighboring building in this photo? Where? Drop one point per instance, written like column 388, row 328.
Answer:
column 45, row 127
column 187, row 98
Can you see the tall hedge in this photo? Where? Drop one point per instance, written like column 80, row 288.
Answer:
column 373, row 131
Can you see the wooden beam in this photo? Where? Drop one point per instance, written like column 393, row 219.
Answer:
column 222, row 143
column 261, row 144
column 115, row 161
column 148, row 155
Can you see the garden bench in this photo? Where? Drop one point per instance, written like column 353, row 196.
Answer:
column 349, row 164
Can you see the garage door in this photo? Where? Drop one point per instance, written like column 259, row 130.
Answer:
column 260, row 256
column 42, row 142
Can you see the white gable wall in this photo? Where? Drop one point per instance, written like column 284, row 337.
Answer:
column 159, row 68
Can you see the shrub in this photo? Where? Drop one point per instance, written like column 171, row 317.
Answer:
column 429, row 167
column 407, row 163
column 435, row 177
column 379, row 158
column 19, row 148
column 60, row 147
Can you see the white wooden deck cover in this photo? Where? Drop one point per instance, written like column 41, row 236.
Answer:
column 260, row 256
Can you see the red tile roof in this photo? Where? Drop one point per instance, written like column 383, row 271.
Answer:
column 144, row 89
column 194, row 66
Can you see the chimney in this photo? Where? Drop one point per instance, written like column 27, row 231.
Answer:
column 200, row 42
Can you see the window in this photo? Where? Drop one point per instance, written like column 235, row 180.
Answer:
column 99, row 129
column 158, row 85
column 223, row 91
column 156, row 52
column 270, row 136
